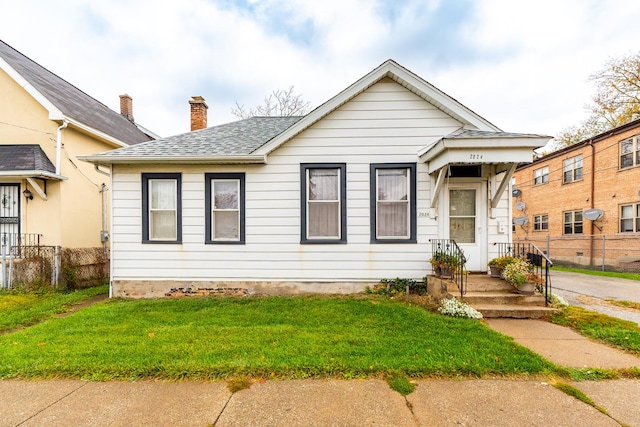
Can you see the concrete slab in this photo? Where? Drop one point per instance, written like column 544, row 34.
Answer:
column 619, row 397
column 317, row 403
column 21, row 400
column 500, row 403
column 562, row 346
column 141, row 403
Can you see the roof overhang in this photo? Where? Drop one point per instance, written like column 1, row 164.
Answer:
column 192, row 160
column 480, row 150
column 21, row 174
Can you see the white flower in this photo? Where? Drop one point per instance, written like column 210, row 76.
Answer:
column 455, row 308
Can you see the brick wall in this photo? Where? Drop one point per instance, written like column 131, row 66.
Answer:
column 603, row 185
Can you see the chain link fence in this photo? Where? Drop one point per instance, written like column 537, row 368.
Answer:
column 52, row 267
column 605, row 252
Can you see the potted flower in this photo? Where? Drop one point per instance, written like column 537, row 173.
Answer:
column 517, row 273
column 444, row 263
column 497, row 265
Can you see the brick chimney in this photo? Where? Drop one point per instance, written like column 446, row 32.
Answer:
column 126, row 106
column 198, row 113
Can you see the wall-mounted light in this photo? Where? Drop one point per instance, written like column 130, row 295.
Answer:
column 27, row 194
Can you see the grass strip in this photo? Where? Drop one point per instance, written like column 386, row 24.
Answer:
column 21, row 309
column 578, row 394
column 617, row 274
column 625, row 304
column 609, row 330
column 261, row 337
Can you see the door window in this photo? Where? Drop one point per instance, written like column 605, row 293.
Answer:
column 462, row 215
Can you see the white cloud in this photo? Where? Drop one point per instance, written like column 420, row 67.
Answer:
column 522, row 65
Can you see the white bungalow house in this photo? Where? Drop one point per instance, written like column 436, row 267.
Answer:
column 349, row 194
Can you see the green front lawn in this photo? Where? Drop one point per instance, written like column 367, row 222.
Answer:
column 282, row 337
column 19, row 309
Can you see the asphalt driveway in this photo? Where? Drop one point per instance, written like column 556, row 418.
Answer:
column 591, row 293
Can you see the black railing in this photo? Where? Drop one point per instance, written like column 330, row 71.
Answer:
column 540, row 261
column 448, row 262
column 14, row 243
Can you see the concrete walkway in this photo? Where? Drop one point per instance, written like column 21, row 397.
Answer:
column 314, row 403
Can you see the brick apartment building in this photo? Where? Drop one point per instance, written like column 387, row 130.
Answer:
column 601, row 173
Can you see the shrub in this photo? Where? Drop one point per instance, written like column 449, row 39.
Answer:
column 517, row 272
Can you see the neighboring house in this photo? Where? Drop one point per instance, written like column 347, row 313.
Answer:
column 333, row 201
column 47, row 196
column 577, row 196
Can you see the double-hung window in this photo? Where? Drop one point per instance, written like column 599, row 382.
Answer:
column 572, row 169
column 393, row 203
column 630, row 152
column 540, row 222
column 573, row 222
column 161, row 208
column 224, row 204
column 541, row 176
column 323, row 203
column 630, row 218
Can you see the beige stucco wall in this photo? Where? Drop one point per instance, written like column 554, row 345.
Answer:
column 72, row 214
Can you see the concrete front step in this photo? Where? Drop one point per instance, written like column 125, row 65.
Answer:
column 499, row 298
column 512, row 311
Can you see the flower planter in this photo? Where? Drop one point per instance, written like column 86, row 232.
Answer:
column 527, row 288
column 495, row 271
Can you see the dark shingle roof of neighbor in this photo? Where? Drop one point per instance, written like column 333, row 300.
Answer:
column 238, row 138
column 14, row 158
column 71, row 101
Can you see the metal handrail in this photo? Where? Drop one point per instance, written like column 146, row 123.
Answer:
column 448, row 253
column 540, row 261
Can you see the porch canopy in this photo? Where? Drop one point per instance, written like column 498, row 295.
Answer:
column 29, row 162
column 504, row 150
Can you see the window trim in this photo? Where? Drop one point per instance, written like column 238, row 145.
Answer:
column 373, row 199
column 146, row 177
column 635, row 217
column 573, row 222
column 542, row 176
column 541, row 222
column 635, row 152
column 208, row 179
column 573, row 169
column 342, row 167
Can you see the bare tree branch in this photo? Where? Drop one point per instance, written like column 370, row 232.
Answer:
column 283, row 102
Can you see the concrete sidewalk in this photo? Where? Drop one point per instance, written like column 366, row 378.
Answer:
column 313, row 403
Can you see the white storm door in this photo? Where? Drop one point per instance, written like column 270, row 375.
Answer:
column 466, row 223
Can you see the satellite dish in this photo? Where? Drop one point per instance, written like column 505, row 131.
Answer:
column 520, row 220
column 516, row 192
column 520, row 206
column 592, row 214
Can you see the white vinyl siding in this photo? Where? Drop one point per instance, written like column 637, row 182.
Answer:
column 385, row 124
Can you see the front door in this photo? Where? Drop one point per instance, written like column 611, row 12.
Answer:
column 9, row 216
column 466, row 222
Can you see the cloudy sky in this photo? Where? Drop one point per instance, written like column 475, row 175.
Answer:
column 523, row 65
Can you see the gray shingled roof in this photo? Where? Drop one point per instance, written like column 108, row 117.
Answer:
column 71, row 101
column 20, row 158
column 480, row 134
column 231, row 139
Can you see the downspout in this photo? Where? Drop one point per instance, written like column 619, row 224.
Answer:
column 59, row 144
column 591, row 195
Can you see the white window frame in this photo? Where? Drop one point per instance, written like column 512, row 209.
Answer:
column 574, row 223
column 305, row 173
column 215, row 209
column 576, row 173
column 148, row 180
column 634, row 153
column 541, row 175
column 541, row 222
column 634, row 218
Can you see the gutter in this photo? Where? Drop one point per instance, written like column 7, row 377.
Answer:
column 197, row 160
column 65, row 123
